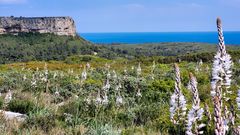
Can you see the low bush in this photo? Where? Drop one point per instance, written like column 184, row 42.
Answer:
column 45, row 121
column 1, row 102
column 21, row 106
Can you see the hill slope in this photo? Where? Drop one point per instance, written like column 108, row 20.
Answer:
column 34, row 46
column 165, row 49
column 43, row 47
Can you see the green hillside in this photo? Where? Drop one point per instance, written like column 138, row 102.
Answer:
column 165, row 49
column 44, row 47
column 34, row 46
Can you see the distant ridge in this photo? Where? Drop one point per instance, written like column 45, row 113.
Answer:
column 56, row 25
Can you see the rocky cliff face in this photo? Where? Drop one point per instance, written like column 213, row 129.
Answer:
column 56, row 25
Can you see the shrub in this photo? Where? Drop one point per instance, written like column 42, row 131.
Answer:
column 21, row 106
column 46, row 121
column 1, row 102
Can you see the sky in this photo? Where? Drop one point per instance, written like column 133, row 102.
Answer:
column 132, row 15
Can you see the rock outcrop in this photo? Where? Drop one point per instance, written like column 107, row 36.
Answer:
column 7, row 115
column 56, row 25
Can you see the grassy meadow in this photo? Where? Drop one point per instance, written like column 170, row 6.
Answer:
column 69, row 86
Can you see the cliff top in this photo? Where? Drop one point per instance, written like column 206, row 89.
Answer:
column 21, row 17
column 63, row 25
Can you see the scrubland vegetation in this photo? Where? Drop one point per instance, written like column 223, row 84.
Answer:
column 67, row 85
column 64, row 98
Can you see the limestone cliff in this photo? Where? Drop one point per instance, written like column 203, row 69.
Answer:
column 56, row 25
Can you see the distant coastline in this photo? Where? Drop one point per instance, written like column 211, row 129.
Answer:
column 231, row 37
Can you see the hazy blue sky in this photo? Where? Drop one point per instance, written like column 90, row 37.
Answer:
column 133, row 15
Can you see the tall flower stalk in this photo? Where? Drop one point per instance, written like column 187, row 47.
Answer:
column 208, row 114
column 195, row 115
column 152, row 70
column 8, row 97
column 139, row 71
column 238, row 100
column 177, row 102
column 237, row 129
column 119, row 99
column 221, row 81
column 106, row 87
column 83, row 75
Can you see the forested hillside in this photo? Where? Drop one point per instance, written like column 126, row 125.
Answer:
column 44, row 47
column 34, row 46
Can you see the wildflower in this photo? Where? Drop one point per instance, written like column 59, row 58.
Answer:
column 105, row 99
column 197, row 69
column 76, row 96
column 114, row 75
column 107, row 66
column 95, row 53
column 189, row 86
column 57, row 93
column 107, row 85
column 221, row 71
column 68, row 117
column 45, row 69
column 61, row 74
column 23, row 68
column 232, row 116
column 196, row 113
column 44, row 79
column 152, row 71
column 236, row 131
column 200, row 63
column 154, row 65
column 221, row 76
column 125, row 71
column 108, row 75
column 88, row 66
column 119, row 100
column 179, row 60
column 70, row 71
column 34, row 81
column 84, row 74
column 98, row 100
column 238, row 99
column 139, row 93
column 24, row 77
column 208, row 114
column 182, row 103
column 139, row 70
column 173, row 107
column 8, row 97
column 177, row 101
column 119, row 86
column 54, row 75
column 219, row 124
column 88, row 100
column 201, row 126
column 207, row 68
column 226, row 118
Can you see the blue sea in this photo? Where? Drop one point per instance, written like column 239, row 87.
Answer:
column 231, row 38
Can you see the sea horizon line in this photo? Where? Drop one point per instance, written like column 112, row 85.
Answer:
column 155, row 32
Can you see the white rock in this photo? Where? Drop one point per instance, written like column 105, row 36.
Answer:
column 13, row 116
